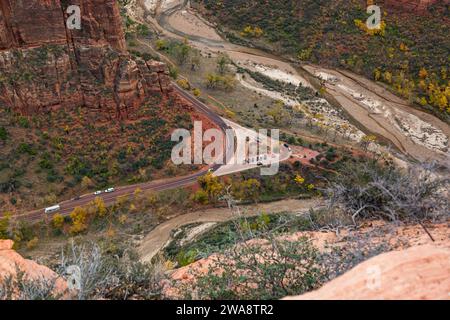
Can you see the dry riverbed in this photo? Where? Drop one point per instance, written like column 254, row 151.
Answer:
column 161, row 235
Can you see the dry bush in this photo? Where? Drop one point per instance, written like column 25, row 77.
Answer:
column 21, row 287
column 96, row 274
column 373, row 190
column 259, row 266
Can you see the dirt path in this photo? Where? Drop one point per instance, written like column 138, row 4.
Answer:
column 158, row 237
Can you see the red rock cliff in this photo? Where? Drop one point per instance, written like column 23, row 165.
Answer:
column 44, row 65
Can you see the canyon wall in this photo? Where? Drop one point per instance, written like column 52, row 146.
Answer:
column 45, row 65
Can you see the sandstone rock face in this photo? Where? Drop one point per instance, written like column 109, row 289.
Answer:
column 421, row 272
column 10, row 261
column 45, row 65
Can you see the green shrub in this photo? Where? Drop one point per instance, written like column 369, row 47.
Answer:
column 186, row 258
column 24, row 122
column 3, row 133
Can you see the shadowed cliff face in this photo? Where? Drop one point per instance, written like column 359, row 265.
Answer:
column 44, row 65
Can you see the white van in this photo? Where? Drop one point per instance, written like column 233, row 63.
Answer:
column 53, row 209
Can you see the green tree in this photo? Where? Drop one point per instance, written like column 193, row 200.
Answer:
column 142, row 30
column 3, row 133
column 247, row 190
column 195, row 61
column 161, row 45
column 4, row 225
column 277, row 112
column 182, row 52
column 173, row 72
column 200, row 197
column 222, row 63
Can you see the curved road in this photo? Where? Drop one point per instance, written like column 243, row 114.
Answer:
column 110, row 198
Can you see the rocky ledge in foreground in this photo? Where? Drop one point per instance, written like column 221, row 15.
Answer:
column 11, row 263
column 418, row 273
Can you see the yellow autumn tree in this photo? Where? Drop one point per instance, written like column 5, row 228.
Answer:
column 100, row 207
column 183, row 83
column 79, row 220
column 367, row 140
column 423, row 101
column 299, row 180
column 423, row 73
column 197, row 92
column 442, row 102
column 403, row 47
column 255, row 32
column 58, row 221
column 211, row 185
column 161, row 44
column 377, row 74
column 387, row 76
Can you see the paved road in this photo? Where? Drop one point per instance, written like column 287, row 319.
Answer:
column 234, row 164
column 110, row 198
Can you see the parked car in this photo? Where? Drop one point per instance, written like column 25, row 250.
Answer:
column 96, row 193
column 110, row 190
column 287, row 146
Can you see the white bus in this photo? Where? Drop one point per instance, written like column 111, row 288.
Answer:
column 53, row 209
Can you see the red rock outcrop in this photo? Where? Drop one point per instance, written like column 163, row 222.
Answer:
column 44, row 65
column 11, row 261
column 417, row 273
column 418, row 269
